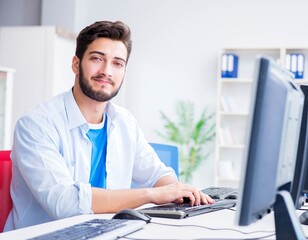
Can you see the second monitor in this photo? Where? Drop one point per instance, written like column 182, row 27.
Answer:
column 271, row 149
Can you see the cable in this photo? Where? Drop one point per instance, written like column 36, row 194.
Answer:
column 213, row 229
column 231, row 209
column 255, row 238
column 272, row 233
column 163, row 238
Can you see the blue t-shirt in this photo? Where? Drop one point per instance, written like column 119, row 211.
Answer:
column 98, row 136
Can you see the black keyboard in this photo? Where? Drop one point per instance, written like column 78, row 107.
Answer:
column 221, row 192
column 219, row 204
column 85, row 230
column 184, row 210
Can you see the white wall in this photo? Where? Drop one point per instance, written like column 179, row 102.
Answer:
column 176, row 45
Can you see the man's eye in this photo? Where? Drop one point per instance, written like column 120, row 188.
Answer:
column 96, row 58
column 118, row 64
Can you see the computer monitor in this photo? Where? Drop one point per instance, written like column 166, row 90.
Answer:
column 305, row 185
column 271, row 148
column 298, row 189
column 305, row 188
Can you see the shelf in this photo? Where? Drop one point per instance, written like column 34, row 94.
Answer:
column 234, row 114
column 236, row 80
column 233, row 108
column 232, row 180
column 301, row 81
column 232, row 146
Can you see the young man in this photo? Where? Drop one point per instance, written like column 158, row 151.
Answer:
column 78, row 153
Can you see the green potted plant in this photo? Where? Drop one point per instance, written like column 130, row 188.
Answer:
column 189, row 135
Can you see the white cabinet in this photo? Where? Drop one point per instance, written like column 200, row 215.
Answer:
column 42, row 57
column 233, row 105
column 6, row 97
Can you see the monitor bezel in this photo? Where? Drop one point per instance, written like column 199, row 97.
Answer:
column 298, row 188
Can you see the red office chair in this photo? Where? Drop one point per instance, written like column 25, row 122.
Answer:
column 5, row 181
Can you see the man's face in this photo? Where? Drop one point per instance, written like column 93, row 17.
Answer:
column 102, row 69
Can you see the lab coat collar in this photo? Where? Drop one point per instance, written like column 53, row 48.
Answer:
column 75, row 117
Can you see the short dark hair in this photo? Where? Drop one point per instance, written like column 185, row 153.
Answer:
column 103, row 29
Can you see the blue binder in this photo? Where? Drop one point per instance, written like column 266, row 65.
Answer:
column 300, row 66
column 229, row 65
column 295, row 63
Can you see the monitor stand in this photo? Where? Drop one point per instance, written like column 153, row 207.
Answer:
column 286, row 220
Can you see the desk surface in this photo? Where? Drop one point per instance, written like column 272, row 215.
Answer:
column 218, row 223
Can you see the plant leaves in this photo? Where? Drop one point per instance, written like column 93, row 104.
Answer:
column 190, row 136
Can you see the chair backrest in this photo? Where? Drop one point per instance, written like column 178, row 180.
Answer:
column 168, row 154
column 5, row 181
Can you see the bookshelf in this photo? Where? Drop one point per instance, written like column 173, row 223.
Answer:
column 233, row 105
column 6, row 98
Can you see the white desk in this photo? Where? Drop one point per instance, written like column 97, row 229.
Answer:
column 216, row 220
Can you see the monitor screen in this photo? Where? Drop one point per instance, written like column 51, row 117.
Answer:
column 298, row 189
column 305, row 184
column 271, row 148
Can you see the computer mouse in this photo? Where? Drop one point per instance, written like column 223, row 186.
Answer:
column 303, row 218
column 132, row 214
column 231, row 196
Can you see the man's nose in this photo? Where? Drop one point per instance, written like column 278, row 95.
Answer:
column 106, row 69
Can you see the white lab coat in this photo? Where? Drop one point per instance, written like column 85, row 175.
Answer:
column 51, row 158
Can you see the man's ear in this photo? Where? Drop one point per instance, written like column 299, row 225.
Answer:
column 75, row 64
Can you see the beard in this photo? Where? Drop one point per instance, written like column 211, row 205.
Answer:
column 87, row 90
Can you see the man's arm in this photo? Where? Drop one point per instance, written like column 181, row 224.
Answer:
column 165, row 180
column 104, row 201
column 115, row 200
column 166, row 190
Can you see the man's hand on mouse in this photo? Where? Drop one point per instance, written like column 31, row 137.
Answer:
column 176, row 192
